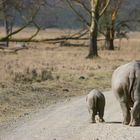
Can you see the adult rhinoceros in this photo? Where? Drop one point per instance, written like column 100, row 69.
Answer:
column 126, row 87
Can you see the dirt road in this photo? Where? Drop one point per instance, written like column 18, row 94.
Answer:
column 69, row 121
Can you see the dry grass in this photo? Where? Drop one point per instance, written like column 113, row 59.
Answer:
column 70, row 74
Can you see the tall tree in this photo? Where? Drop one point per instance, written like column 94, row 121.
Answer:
column 98, row 8
column 109, row 23
column 110, row 30
column 95, row 12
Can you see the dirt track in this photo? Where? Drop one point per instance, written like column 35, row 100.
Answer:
column 69, row 121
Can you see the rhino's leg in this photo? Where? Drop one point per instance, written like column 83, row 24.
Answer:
column 101, row 111
column 92, row 116
column 126, row 113
column 101, row 119
column 138, row 118
column 91, row 109
column 134, row 114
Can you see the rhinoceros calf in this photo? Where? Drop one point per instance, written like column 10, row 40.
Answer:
column 96, row 103
column 126, row 87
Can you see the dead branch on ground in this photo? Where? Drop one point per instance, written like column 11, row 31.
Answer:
column 77, row 36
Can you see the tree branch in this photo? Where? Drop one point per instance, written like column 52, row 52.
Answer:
column 14, row 32
column 105, row 7
column 27, row 24
column 35, row 34
column 83, row 5
column 77, row 13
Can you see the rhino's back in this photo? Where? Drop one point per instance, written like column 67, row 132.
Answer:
column 95, row 94
column 123, row 73
column 95, row 97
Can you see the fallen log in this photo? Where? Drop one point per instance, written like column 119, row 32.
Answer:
column 56, row 40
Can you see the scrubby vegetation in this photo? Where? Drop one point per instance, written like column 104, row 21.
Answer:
column 46, row 73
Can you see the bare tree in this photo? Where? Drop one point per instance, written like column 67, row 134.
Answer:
column 6, row 10
column 27, row 11
column 95, row 11
column 112, row 15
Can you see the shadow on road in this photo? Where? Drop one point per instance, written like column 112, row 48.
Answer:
column 114, row 122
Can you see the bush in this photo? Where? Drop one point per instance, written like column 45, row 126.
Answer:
column 32, row 75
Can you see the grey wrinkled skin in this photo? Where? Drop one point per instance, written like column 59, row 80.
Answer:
column 126, row 87
column 96, row 104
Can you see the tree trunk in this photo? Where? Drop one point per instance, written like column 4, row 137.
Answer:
column 6, row 24
column 107, row 39
column 112, row 34
column 93, row 51
column 111, row 46
column 109, row 42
